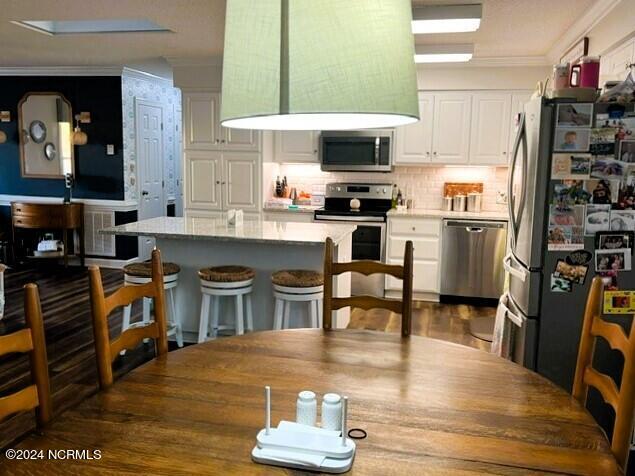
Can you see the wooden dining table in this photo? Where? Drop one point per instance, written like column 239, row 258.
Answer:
column 428, row 407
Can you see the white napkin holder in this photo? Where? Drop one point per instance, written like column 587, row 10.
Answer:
column 292, row 445
column 235, row 218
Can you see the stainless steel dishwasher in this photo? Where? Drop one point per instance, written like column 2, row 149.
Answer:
column 472, row 258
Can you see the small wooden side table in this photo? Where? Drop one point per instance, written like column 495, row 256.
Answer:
column 49, row 216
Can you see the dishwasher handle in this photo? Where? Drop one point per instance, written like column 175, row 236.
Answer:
column 475, row 225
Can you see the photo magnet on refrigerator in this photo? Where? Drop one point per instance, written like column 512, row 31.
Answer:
column 579, row 257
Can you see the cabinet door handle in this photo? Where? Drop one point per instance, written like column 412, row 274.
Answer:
column 216, row 141
column 218, row 182
column 504, row 152
column 222, row 141
column 222, row 183
column 434, row 153
column 414, row 228
column 144, row 193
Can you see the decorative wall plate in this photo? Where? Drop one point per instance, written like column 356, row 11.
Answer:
column 50, row 152
column 37, row 131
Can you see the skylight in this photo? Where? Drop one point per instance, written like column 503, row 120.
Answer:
column 77, row 27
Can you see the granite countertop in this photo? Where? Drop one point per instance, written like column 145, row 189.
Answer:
column 253, row 230
column 299, row 209
column 423, row 212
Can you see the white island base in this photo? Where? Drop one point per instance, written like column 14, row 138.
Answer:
column 266, row 247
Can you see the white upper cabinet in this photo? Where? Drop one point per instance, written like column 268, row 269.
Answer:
column 202, row 126
column 239, row 139
column 518, row 102
column 296, row 146
column 489, row 136
column 451, row 128
column 614, row 64
column 413, row 143
column 203, row 180
column 241, row 181
column 201, row 119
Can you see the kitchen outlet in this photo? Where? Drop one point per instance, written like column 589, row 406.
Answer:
column 110, row 149
column 501, row 197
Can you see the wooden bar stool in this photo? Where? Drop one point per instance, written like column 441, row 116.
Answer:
column 225, row 281
column 297, row 285
column 136, row 274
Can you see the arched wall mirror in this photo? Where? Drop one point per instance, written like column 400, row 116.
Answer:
column 46, row 149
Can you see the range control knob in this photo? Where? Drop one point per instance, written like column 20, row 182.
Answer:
column 383, row 190
column 339, row 189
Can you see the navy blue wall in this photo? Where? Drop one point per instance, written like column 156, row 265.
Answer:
column 97, row 175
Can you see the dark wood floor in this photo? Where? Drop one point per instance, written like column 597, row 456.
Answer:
column 69, row 337
column 68, row 329
column 449, row 322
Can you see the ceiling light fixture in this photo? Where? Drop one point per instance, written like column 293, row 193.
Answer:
column 446, row 18
column 443, row 53
column 307, row 65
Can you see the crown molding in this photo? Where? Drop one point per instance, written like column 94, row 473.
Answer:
column 593, row 15
column 195, row 61
column 492, row 62
column 142, row 75
column 60, row 70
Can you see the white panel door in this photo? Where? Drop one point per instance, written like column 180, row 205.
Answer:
column 296, row 146
column 489, row 136
column 451, row 128
column 203, row 180
column 239, row 139
column 149, row 129
column 518, row 102
column 413, row 143
column 202, row 112
column 240, row 181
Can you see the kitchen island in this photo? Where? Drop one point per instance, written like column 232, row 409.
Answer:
column 266, row 246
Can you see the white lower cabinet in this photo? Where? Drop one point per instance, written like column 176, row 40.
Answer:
column 217, row 181
column 293, row 217
column 425, row 234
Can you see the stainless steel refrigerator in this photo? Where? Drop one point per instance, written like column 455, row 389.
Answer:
column 547, row 324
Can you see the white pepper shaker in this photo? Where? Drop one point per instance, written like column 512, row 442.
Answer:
column 332, row 412
column 306, row 408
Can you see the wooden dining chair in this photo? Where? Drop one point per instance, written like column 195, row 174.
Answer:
column 622, row 399
column 29, row 340
column 367, row 267
column 102, row 306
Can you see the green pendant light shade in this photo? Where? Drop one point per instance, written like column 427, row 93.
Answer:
column 318, row 64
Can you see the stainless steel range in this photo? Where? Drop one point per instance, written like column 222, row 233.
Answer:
column 364, row 205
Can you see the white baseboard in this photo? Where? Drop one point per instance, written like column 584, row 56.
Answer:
column 416, row 296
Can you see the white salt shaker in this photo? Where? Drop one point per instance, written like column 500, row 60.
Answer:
column 332, row 412
column 306, row 408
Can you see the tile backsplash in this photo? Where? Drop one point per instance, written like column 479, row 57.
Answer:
column 424, row 184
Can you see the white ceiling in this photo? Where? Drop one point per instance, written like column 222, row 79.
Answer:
column 509, row 28
column 198, row 27
column 514, row 27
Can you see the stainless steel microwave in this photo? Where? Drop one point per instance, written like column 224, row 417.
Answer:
column 356, row 151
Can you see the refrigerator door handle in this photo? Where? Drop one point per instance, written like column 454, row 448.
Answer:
column 510, row 180
column 519, row 321
column 507, row 264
